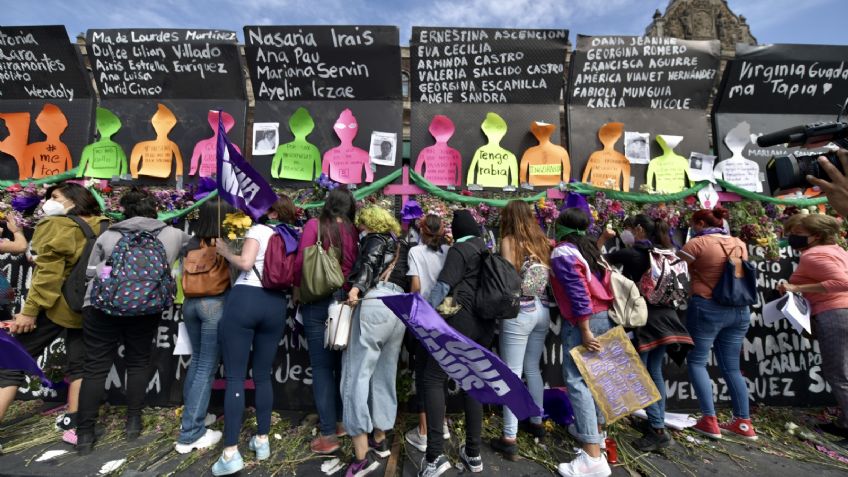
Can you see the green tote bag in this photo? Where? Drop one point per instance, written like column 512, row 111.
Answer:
column 322, row 272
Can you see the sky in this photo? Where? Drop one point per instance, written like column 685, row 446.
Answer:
column 771, row 21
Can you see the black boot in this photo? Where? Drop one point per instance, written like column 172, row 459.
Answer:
column 508, row 449
column 85, row 443
column 652, row 440
column 133, row 427
column 535, row 430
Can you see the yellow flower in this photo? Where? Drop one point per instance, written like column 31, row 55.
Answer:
column 232, row 236
column 762, row 242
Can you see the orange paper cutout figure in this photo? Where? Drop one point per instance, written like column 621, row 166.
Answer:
column 440, row 163
column 345, row 162
column 154, row 157
column 14, row 132
column 51, row 156
column 206, row 149
column 608, row 168
column 546, row 164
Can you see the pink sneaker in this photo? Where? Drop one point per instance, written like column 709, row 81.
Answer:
column 70, row 436
column 741, row 427
column 708, row 426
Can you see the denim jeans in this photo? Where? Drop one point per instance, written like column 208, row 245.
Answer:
column 522, row 341
column 326, row 366
column 369, row 365
column 653, row 360
column 587, row 415
column 725, row 326
column 832, row 331
column 201, row 317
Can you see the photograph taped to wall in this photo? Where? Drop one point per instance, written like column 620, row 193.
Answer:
column 266, row 138
column 383, row 147
column 636, row 147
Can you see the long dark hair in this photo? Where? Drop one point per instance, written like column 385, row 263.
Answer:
column 432, row 232
column 85, row 205
column 339, row 204
column 209, row 218
column 518, row 222
column 657, row 231
column 578, row 220
column 139, row 203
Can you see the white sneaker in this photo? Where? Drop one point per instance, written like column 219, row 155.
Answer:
column 446, row 431
column 206, row 440
column 585, row 466
column 416, row 440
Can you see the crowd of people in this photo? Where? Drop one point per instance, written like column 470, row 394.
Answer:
column 355, row 393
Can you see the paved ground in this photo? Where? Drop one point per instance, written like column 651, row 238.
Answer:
column 27, row 436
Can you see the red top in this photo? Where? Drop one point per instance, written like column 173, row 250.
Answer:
column 828, row 265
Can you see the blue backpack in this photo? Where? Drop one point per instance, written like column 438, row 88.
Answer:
column 139, row 282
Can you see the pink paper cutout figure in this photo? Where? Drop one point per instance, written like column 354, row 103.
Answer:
column 442, row 164
column 206, row 149
column 345, row 162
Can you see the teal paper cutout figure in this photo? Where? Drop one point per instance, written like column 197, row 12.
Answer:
column 671, row 170
column 104, row 159
column 299, row 159
column 493, row 165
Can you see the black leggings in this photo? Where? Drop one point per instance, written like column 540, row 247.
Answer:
column 255, row 317
column 433, row 381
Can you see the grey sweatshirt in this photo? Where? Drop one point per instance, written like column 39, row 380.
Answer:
column 172, row 238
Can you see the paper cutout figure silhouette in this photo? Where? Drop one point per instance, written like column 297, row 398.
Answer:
column 105, row 158
column 608, row 168
column 440, row 163
column 14, row 132
column 545, row 164
column 492, row 165
column 153, row 158
column 203, row 159
column 670, row 170
column 51, row 156
column 299, row 159
column 345, row 162
column 738, row 170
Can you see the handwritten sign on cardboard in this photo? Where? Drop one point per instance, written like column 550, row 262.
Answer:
column 616, row 376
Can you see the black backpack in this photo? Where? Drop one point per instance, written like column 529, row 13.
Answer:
column 498, row 293
column 75, row 285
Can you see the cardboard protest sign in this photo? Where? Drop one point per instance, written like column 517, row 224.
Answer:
column 51, row 156
column 203, row 158
column 546, row 164
column 492, row 165
column 440, row 163
column 668, row 173
column 154, row 158
column 608, row 168
column 298, row 159
column 616, row 376
column 738, row 170
column 104, row 158
column 345, row 162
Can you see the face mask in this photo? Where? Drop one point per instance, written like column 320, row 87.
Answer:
column 53, row 207
column 627, row 237
column 798, row 241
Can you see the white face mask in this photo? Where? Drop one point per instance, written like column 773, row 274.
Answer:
column 53, row 207
column 627, row 237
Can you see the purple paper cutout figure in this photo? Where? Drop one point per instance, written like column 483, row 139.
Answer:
column 442, row 164
column 205, row 149
column 345, row 162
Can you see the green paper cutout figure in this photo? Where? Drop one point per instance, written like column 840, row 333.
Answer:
column 670, row 170
column 299, row 159
column 493, row 165
column 104, row 159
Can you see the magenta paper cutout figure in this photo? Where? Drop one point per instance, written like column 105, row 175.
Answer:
column 442, row 164
column 205, row 149
column 345, row 162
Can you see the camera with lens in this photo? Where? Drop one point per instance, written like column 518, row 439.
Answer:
column 790, row 171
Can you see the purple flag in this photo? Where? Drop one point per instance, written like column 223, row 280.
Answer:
column 13, row 356
column 478, row 371
column 239, row 183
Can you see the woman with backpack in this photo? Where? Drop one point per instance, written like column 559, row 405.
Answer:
column 581, row 287
column 710, row 323
column 202, row 310
column 253, row 324
column 139, row 245
column 426, row 261
column 58, row 243
column 369, row 364
column 336, row 230
column 522, row 340
column 458, row 278
column 663, row 330
column 822, row 277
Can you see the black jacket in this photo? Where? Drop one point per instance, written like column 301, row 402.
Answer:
column 376, row 253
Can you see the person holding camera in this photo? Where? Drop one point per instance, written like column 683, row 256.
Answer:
column 836, row 190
